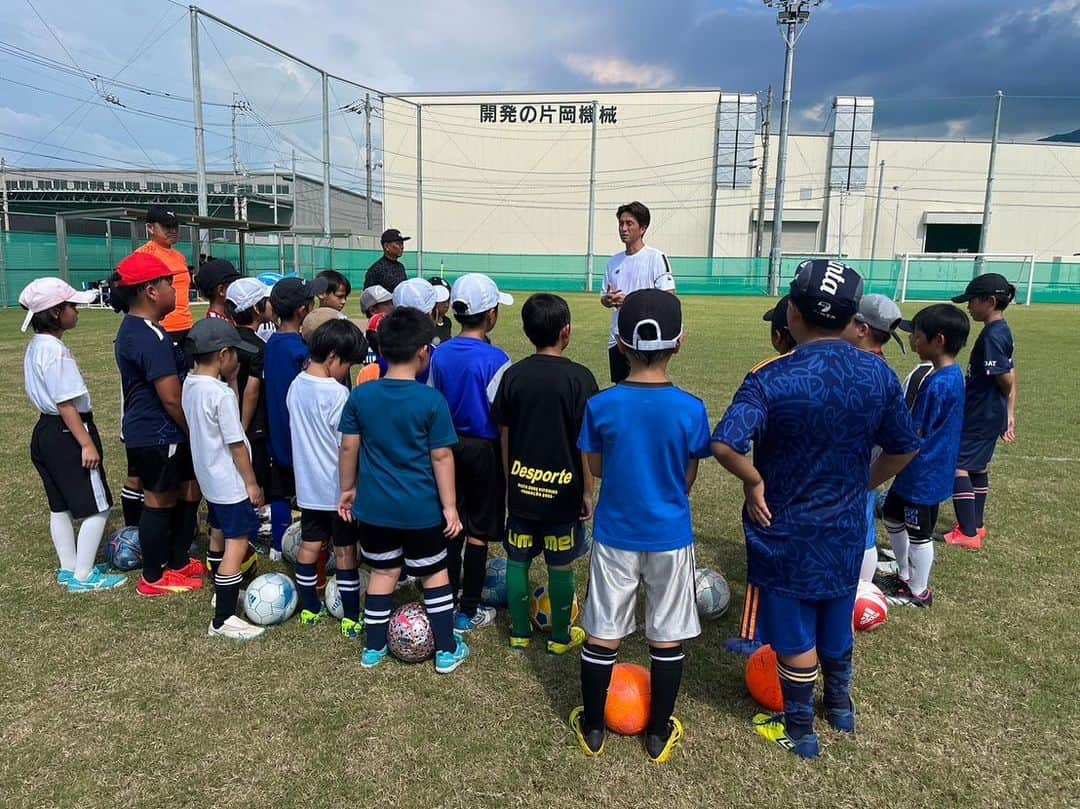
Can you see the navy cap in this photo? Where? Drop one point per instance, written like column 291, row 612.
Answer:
column 290, row 293
column 777, row 316
column 213, row 273
column 393, row 235
column 827, row 293
column 657, row 309
column 162, row 216
column 982, row 286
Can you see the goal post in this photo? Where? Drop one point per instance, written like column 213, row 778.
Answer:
column 922, row 274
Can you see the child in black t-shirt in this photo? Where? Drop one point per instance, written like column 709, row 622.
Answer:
column 539, row 407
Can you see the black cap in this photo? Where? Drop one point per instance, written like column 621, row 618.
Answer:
column 777, row 316
column 214, row 334
column 826, row 293
column 214, row 272
column 161, row 215
column 394, row 235
column 289, row 294
column 654, row 307
column 990, row 283
column 436, row 281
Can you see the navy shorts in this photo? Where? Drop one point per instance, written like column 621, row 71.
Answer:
column 326, row 527
column 235, row 521
column 975, row 453
column 561, row 544
column 796, row 625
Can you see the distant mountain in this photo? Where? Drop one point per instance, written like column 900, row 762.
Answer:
column 1067, row 137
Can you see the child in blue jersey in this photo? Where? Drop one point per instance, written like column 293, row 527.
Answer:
column 467, row 371
column 812, row 416
column 644, row 438
column 285, row 356
column 990, row 407
column 400, row 434
column 938, row 333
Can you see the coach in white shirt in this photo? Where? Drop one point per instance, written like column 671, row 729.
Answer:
column 636, row 267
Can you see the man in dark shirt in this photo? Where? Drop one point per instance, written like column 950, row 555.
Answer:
column 388, row 271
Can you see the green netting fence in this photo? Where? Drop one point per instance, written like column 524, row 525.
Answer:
column 91, row 258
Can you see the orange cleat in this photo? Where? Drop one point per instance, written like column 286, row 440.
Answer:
column 194, row 569
column 170, row 583
column 959, row 539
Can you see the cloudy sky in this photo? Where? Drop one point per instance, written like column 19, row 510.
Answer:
column 932, row 65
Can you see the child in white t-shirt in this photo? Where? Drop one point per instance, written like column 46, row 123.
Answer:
column 65, row 447
column 315, row 400
column 222, row 458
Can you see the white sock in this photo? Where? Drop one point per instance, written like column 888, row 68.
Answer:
column 869, row 564
column 90, row 533
column 63, row 537
column 922, row 559
column 898, row 538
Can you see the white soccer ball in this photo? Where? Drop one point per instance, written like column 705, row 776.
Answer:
column 270, row 599
column 871, row 608
column 332, row 596
column 290, row 542
column 712, row 593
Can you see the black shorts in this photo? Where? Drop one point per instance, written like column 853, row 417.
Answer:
column 421, row 551
column 260, row 460
column 918, row 519
column 618, row 364
column 561, row 544
column 161, row 468
column 282, row 485
column 975, row 453
column 57, row 457
column 481, row 487
column 326, row 527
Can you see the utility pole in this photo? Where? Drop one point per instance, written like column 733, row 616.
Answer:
column 419, row 191
column 3, row 191
column 326, row 153
column 292, row 220
column 274, row 187
column 984, row 233
column 759, row 235
column 200, row 134
column 896, row 219
column 592, row 200
column 714, row 182
column 235, row 108
column 367, row 161
column 877, row 209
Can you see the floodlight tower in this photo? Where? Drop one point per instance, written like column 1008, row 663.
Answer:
column 792, row 16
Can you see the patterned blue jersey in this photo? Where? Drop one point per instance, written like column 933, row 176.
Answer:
column 938, row 416
column 813, row 416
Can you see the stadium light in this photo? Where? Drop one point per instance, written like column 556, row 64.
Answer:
column 791, row 16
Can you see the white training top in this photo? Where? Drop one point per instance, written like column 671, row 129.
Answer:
column 52, row 376
column 315, row 404
column 648, row 268
column 213, row 417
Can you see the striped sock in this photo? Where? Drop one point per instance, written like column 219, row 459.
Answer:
column 666, row 670
column 797, row 684
column 348, row 582
column 227, row 590
column 213, row 561
column 963, row 499
column 439, row 605
column 131, row 501
column 305, row 584
column 376, row 617
column 980, row 483
column 597, row 663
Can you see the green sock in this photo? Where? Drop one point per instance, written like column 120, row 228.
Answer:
column 561, row 593
column 517, row 596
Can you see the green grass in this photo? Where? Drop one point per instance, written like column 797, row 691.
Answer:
column 110, row 700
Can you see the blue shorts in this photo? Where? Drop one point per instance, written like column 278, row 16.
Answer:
column 796, row 625
column 871, row 525
column 975, row 453
column 236, row 521
column 560, row 544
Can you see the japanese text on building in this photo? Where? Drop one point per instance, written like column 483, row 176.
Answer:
column 501, row 113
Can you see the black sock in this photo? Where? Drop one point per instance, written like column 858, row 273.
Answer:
column 453, row 564
column 376, row 618
column 185, row 517
column 227, row 590
column 439, row 605
column 963, row 500
column 213, row 561
column 473, row 573
column 980, row 482
column 666, row 675
column 155, row 538
column 597, row 663
column 131, row 501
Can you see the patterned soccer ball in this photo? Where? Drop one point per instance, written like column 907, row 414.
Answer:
column 712, row 593
column 122, row 551
column 332, row 596
column 494, row 592
column 871, row 608
column 270, row 599
column 409, row 634
column 540, row 609
column 290, row 542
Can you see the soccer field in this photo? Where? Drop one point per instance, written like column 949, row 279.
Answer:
column 112, row 700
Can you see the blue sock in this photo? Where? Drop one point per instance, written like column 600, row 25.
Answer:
column 439, row 604
column 837, row 676
column 797, row 684
column 348, row 582
column 280, row 519
column 980, row 484
column 963, row 500
column 376, row 617
column 305, row 584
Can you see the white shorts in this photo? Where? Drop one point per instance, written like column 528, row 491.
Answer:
column 670, row 603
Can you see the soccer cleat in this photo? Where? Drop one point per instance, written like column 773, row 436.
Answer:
column 906, row 598
column 235, row 629
column 64, row 576
column 96, row 581
column 771, row 726
column 370, row 658
column 841, row 720
column 485, row 616
column 742, row 646
column 194, row 569
column 577, row 638
column 170, row 583
column 350, row 629
column 959, row 539
column 446, row 662
column 661, row 748
column 276, row 555
column 886, row 555
column 309, row 618
column 520, row 643
column 887, row 568
column 890, row 585
column 591, row 743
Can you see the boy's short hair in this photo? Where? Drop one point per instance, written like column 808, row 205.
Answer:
column 470, row 321
column 334, row 279
column 245, row 317
column 207, row 357
column 947, row 320
column 341, row 337
column 122, row 297
column 637, row 210
column 544, row 316
column 403, row 332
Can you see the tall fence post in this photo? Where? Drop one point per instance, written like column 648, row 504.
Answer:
column 904, row 278
column 1031, row 278
column 592, row 204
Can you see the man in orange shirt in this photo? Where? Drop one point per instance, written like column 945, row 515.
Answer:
column 163, row 228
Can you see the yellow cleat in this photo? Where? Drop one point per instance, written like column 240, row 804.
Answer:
column 660, row 749
column 519, row 643
column 591, row 743
column 577, row 638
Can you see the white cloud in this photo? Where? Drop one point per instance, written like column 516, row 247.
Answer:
column 615, row 72
column 815, row 113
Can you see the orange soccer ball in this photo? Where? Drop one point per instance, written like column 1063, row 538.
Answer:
column 762, row 680
column 627, row 709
